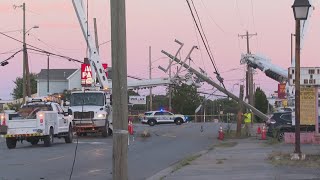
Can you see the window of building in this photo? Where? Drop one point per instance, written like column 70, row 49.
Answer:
column 292, row 71
column 318, row 70
column 311, row 71
column 311, row 76
column 305, row 81
column 310, row 81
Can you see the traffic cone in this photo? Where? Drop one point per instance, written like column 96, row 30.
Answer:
column 221, row 134
column 264, row 132
column 259, row 130
column 130, row 128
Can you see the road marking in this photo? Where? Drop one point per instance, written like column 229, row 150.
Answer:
column 96, row 170
column 55, row 158
column 92, row 143
column 168, row 135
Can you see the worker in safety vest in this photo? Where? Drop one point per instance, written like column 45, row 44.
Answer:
column 247, row 121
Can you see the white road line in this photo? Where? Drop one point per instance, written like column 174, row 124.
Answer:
column 55, row 158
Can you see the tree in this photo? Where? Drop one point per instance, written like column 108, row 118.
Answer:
column 185, row 99
column 261, row 102
column 18, row 89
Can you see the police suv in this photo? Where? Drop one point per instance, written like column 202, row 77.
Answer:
column 162, row 117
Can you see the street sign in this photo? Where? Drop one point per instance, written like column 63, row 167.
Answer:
column 308, row 105
column 137, row 100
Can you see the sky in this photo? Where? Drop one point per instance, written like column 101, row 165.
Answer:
column 157, row 23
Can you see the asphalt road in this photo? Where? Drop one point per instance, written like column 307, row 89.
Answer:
column 147, row 156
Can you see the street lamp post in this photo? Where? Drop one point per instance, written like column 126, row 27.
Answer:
column 300, row 10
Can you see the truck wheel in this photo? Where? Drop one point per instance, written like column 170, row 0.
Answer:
column 152, row 122
column 110, row 132
column 11, row 143
column 69, row 137
column 34, row 141
column 105, row 131
column 178, row 121
column 48, row 140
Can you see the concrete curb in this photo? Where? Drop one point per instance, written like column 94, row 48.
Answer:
column 167, row 171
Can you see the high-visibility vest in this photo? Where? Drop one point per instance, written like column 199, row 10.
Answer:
column 247, row 118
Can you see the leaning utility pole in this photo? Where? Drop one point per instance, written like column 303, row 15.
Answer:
column 249, row 74
column 212, row 83
column 96, row 33
column 150, row 74
column 119, row 90
column 48, row 74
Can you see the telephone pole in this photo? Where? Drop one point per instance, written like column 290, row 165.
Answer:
column 24, row 53
column 150, row 68
column 249, row 74
column 119, row 90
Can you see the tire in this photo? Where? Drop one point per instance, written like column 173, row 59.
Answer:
column 11, row 143
column 34, row 141
column 280, row 136
column 48, row 140
column 110, row 132
column 105, row 131
column 178, row 121
column 152, row 122
column 69, row 138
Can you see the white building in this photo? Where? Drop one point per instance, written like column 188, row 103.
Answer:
column 59, row 80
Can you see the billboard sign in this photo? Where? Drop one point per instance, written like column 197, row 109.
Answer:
column 281, row 91
column 86, row 74
column 137, row 100
column 308, row 106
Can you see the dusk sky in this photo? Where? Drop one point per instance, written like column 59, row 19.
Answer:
column 157, row 23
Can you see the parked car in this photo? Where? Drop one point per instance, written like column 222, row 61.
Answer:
column 158, row 117
column 282, row 122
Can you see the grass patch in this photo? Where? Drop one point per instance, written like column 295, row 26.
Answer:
column 232, row 134
column 284, row 159
column 226, row 144
column 185, row 162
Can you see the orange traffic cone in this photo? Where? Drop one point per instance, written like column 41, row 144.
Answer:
column 264, row 132
column 130, row 128
column 221, row 134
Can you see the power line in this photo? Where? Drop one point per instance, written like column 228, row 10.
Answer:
column 205, row 42
column 41, row 50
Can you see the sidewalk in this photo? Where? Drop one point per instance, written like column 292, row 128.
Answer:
column 247, row 160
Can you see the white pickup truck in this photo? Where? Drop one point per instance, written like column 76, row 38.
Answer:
column 37, row 121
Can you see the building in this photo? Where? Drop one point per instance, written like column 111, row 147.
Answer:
column 59, row 80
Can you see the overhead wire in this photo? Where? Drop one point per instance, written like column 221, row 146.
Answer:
column 205, row 42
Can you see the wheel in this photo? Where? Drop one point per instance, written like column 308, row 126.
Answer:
column 69, row 137
column 281, row 136
column 48, row 140
column 105, row 131
column 152, row 122
column 11, row 143
column 178, row 121
column 110, row 132
column 34, row 141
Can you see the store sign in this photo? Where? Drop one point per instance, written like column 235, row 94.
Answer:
column 281, row 91
column 86, row 74
column 137, row 100
column 308, row 106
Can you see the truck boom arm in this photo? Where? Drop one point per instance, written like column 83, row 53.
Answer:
column 95, row 60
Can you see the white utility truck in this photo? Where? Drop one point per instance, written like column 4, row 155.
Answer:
column 37, row 120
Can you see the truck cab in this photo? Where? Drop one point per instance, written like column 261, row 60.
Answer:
column 90, row 112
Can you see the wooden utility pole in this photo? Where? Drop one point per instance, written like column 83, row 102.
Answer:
column 96, row 33
column 48, row 73
column 24, row 91
column 249, row 75
column 239, row 116
column 119, row 90
column 150, row 74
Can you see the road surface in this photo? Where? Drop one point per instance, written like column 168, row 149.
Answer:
column 147, row 156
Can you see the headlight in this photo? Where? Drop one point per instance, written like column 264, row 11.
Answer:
column 101, row 115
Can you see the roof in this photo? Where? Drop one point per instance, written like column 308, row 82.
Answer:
column 55, row 74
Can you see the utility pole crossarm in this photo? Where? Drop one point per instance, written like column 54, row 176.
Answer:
column 211, row 82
